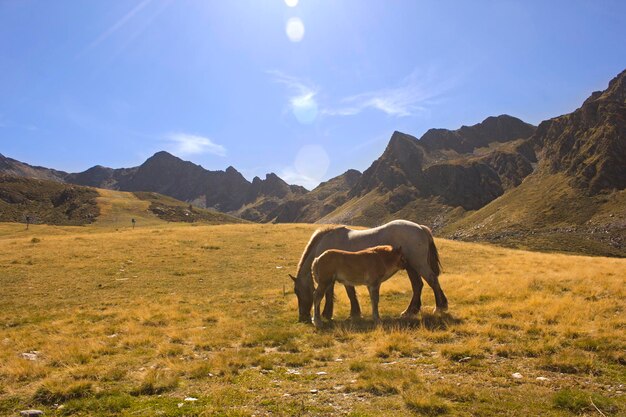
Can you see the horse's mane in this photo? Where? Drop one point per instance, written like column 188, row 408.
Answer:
column 315, row 238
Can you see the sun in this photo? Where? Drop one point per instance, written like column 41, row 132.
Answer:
column 291, row 3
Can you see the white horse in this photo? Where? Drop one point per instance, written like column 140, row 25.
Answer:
column 418, row 248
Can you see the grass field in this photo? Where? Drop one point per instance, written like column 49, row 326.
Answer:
column 106, row 320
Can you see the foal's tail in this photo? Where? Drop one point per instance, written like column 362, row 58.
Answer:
column 433, row 256
column 314, row 271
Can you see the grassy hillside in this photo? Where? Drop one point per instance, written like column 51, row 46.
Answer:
column 45, row 201
column 57, row 203
column 113, row 321
column 546, row 213
column 118, row 208
column 376, row 208
column 172, row 210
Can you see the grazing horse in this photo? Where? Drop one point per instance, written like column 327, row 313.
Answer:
column 368, row 267
column 418, row 248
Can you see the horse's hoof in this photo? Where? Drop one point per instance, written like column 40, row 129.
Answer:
column 406, row 314
column 440, row 310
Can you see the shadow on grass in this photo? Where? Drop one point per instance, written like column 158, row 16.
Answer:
column 440, row 321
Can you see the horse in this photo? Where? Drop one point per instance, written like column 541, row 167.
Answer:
column 369, row 267
column 418, row 248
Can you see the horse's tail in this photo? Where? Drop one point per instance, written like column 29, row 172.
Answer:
column 433, row 255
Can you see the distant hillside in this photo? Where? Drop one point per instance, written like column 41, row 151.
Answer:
column 52, row 202
column 45, row 201
column 307, row 207
column 172, row 210
column 226, row 191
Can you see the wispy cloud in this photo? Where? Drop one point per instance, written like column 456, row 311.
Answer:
column 184, row 144
column 300, row 87
column 410, row 97
column 302, row 101
column 117, row 25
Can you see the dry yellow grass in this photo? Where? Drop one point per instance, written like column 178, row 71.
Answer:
column 130, row 322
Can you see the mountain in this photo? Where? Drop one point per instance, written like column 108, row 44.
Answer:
column 11, row 166
column 502, row 128
column 589, row 144
column 308, row 207
column 439, row 176
column 164, row 173
column 226, row 191
column 575, row 199
column 558, row 186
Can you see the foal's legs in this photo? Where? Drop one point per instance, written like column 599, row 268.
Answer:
column 330, row 302
column 318, row 294
column 374, row 291
column 355, row 307
column 416, row 302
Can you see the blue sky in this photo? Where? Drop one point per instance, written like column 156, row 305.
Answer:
column 304, row 89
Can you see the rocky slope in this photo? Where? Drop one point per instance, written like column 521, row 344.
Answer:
column 9, row 166
column 575, row 200
column 308, row 207
column 443, row 170
column 45, row 201
column 589, row 144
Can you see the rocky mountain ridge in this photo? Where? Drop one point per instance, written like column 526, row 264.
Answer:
column 452, row 180
column 227, row 191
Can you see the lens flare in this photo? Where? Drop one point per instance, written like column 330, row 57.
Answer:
column 291, row 3
column 312, row 162
column 294, row 29
column 304, row 108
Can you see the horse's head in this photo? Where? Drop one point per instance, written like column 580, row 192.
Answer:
column 304, row 293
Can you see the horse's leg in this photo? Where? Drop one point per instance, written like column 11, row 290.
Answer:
column 330, row 301
column 355, row 307
column 441, row 301
column 318, row 294
column 374, row 291
column 416, row 301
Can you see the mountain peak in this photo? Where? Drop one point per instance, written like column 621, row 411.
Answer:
column 502, row 128
column 163, row 155
column 617, row 88
column 587, row 144
column 399, row 143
